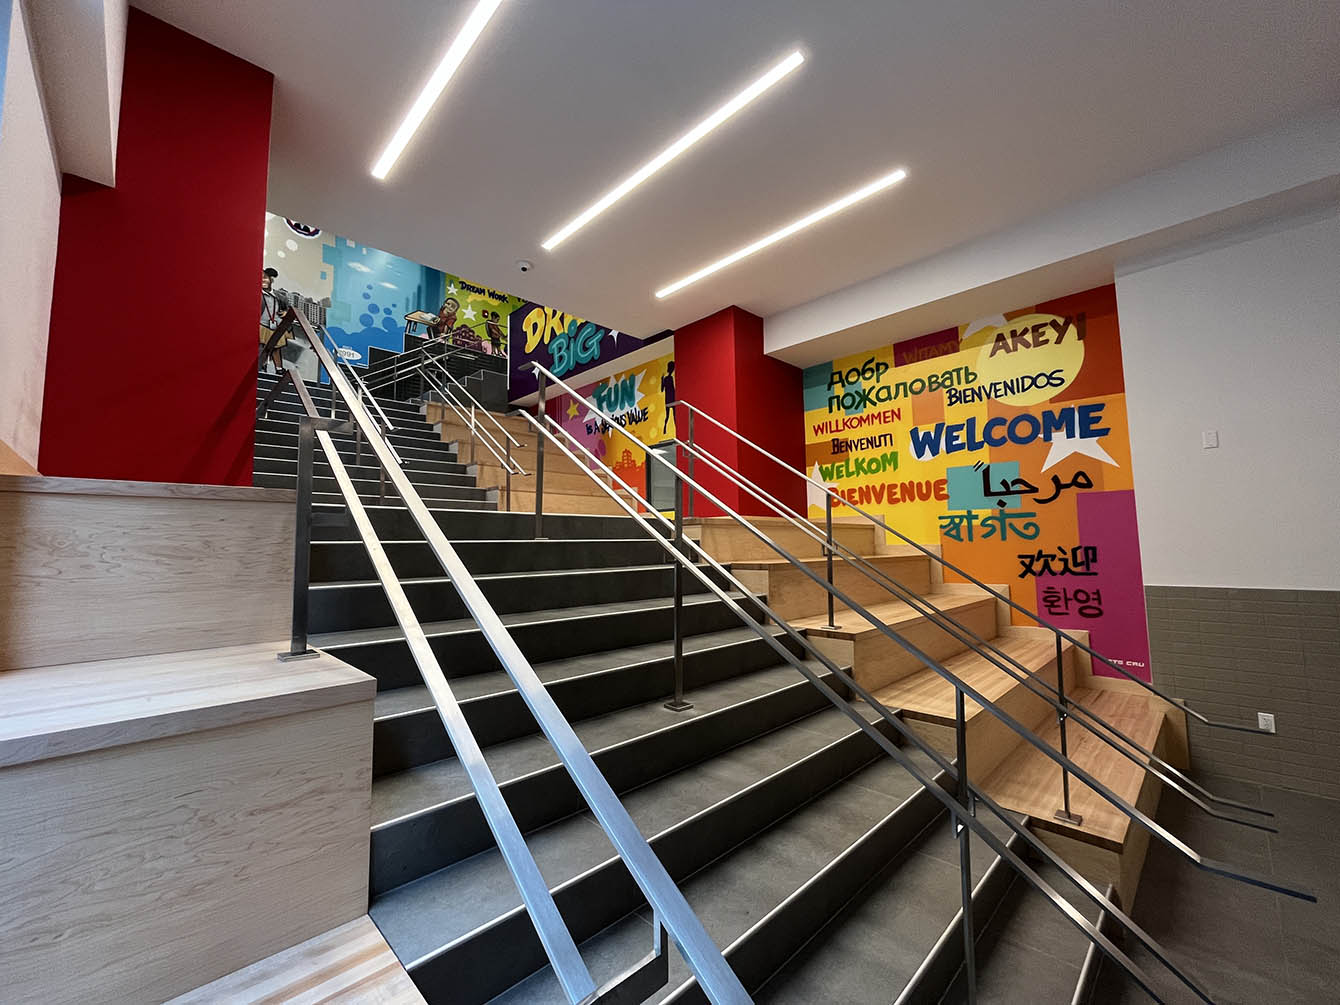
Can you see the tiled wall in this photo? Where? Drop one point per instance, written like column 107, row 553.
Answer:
column 1232, row 653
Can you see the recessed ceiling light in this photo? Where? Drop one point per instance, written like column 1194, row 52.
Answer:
column 837, row 206
column 730, row 108
column 460, row 45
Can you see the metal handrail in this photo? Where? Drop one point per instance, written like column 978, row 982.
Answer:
column 1133, row 812
column 680, row 548
column 501, row 453
column 393, row 364
column 670, row 908
column 473, row 400
column 829, row 493
column 1062, row 704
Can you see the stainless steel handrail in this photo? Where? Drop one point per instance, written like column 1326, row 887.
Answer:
column 681, row 548
column 473, row 400
column 829, row 493
column 393, row 364
column 668, row 904
column 503, row 454
column 1061, row 703
column 1131, row 811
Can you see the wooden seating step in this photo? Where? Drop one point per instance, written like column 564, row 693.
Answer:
column 726, row 541
column 594, row 502
column 927, row 696
column 896, row 614
column 793, row 594
column 878, row 660
column 349, row 965
column 1027, row 781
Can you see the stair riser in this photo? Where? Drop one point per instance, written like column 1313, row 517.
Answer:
column 410, row 453
column 414, row 847
column 341, row 561
column 287, row 455
column 370, row 487
column 287, row 404
column 422, row 478
column 279, row 423
column 937, row 977
column 493, row 958
column 409, row 740
column 468, row 652
column 343, row 608
column 391, row 499
column 393, row 523
column 765, row 948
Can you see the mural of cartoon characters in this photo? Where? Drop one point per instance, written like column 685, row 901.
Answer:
column 272, row 311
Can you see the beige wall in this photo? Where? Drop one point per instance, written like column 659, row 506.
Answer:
column 29, row 218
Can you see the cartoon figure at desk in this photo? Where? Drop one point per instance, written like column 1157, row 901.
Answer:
column 446, row 317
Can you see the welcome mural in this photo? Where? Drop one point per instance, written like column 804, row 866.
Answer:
column 1004, row 442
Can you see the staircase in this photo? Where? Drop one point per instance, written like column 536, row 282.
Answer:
column 822, row 865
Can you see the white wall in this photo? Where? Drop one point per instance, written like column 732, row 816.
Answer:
column 29, row 217
column 1241, row 336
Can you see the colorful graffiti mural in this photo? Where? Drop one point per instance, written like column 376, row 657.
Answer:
column 1004, row 442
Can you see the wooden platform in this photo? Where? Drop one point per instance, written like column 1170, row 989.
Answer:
column 57, row 711
column 349, row 965
column 562, row 502
column 169, row 819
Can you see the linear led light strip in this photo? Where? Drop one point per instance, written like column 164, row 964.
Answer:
column 837, row 206
column 730, row 108
column 423, row 104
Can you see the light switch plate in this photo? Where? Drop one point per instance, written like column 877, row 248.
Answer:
column 1209, row 439
column 1266, row 721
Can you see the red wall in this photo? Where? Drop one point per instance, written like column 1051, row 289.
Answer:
column 720, row 367
column 151, row 366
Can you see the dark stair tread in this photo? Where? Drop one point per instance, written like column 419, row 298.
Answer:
column 740, row 889
column 399, row 701
column 365, row 636
column 504, row 576
column 430, row 912
column 1028, row 949
column 407, row 792
column 869, row 952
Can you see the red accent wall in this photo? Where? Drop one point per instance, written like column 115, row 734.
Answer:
column 151, row 365
column 721, row 368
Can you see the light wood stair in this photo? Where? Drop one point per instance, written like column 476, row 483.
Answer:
column 793, row 594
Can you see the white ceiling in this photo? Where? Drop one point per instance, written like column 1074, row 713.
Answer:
column 999, row 109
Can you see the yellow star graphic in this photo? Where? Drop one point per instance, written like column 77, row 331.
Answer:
column 572, row 410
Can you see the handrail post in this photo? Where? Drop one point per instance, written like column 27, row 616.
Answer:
column 1064, row 814
column 690, row 485
column 473, row 445
column 677, row 703
column 358, row 445
column 539, row 460
column 302, row 543
column 828, row 551
column 508, row 476
column 964, row 836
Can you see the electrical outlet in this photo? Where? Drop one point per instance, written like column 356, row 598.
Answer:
column 1266, row 721
column 1209, row 439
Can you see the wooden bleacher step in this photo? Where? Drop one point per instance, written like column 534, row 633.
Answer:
column 1029, row 782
